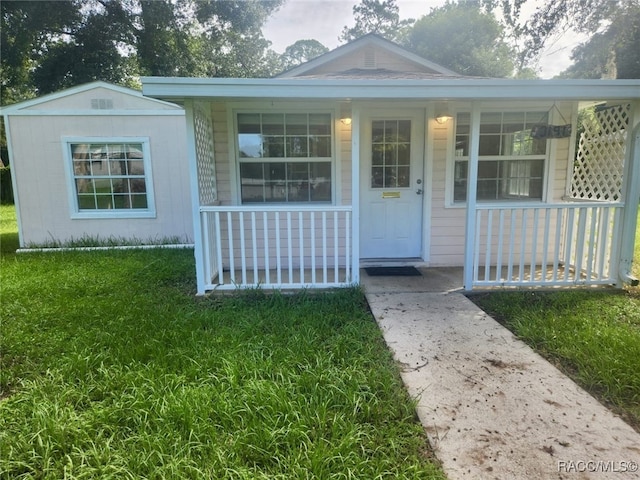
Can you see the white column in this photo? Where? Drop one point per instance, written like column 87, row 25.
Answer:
column 355, row 194
column 195, row 197
column 472, row 190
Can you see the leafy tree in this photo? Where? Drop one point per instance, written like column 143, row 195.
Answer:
column 613, row 53
column 376, row 16
column 51, row 45
column 463, row 38
column 302, row 51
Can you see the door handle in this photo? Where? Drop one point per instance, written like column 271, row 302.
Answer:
column 419, row 191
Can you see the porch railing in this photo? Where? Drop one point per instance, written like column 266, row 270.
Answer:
column 546, row 245
column 276, row 247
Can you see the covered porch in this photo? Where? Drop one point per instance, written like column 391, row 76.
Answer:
column 583, row 235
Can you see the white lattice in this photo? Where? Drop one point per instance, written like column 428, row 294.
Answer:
column 205, row 160
column 598, row 170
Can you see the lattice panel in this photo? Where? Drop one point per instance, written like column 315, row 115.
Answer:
column 598, row 170
column 204, row 156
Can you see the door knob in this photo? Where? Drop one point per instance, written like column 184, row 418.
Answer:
column 419, row 191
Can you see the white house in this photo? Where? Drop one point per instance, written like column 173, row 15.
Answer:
column 99, row 161
column 370, row 154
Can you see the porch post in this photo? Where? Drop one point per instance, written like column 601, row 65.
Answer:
column 355, row 194
column 631, row 197
column 472, row 190
column 195, row 196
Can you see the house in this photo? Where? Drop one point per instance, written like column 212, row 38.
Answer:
column 370, row 154
column 367, row 155
column 99, row 161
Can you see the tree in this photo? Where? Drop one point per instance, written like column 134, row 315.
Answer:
column 51, row 45
column 613, row 53
column 302, row 51
column 530, row 35
column 376, row 16
column 478, row 49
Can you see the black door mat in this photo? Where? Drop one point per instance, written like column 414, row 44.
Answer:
column 392, row 271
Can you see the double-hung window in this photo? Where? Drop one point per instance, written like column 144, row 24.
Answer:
column 285, row 157
column 110, row 177
column 511, row 161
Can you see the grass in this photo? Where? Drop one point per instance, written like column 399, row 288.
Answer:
column 592, row 335
column 112, row 368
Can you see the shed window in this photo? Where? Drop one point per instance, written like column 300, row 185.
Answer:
column 511, row 162
column 110, row 178
column 285, row 157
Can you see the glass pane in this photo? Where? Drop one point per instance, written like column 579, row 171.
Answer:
column 390, row 177
column 462, row 146
column 298, row 191
column 404, row 131
column 297, row 147
column 320, row 182
column 460, row 191
column 390, row 131
column 377, row 177
column 536, row 118
column 320, row 147
column 138, row 185
column 489, row 145
column 296, row 124
column 249, row 123
column 81, row 168
column 403, row 177
column 85, row 186
column 275, row 192
column 121, row 201
column 86, row 202
column 250, row 145
column 134, row 151
column 377, row 155
column 104, row 202
column 136, row 167
column 513, row 122
column 320, row 124
column 98, row 152
column 252, row 182
column 80, row 151
column 139, row 201
column 274, row 147
column 298, row 171
column 487, row 189
column 273, row 124
column 463, row 122
column 102, row 185
column 390, row 155
column 490, row 122
column 276, row 171
column 487, row 169
column 118, row 167
column 117, row 151
column 404, row 151
column 377, row 131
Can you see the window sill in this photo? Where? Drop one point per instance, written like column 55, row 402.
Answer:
column 112, row 215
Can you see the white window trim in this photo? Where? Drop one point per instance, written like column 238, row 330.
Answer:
column 269, row 107
column 549, row 161
column 75, row 212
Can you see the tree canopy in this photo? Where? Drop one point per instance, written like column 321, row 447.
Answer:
column 49, row 45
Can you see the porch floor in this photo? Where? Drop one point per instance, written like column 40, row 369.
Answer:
column 491, row 406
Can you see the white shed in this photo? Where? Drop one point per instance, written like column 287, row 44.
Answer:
column 99, row 161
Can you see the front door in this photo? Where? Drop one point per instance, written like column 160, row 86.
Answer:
column 391, row 185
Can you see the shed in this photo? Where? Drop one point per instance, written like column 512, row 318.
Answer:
column 99, row 162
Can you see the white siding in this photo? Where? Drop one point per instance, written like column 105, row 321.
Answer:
column 42, row 187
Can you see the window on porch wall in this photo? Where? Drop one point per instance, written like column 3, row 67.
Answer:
column 285, row 157
column 511, row 162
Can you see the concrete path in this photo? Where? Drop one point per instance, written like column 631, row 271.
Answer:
column 492, row 407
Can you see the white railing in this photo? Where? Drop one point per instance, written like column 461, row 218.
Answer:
column 276, row 247
column 545, row 245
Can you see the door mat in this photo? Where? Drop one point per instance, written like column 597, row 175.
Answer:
column 392, row 271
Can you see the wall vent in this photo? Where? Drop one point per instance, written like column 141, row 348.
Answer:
column 369, row 58
column 102, row 104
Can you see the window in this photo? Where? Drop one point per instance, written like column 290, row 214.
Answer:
column 285, row 157
column 390, row 153
column 511, row 162
column 110, row 178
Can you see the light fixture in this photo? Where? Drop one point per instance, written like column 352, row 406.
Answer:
column 346, row 120
column 443, row 118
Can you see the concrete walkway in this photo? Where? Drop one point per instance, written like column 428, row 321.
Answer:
column 492, row 407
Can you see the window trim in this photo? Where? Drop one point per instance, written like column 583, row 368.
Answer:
column 451, row 160
column 76, row 212
column 261, row 108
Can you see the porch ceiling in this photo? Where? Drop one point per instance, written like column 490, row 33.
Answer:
column 480, row 89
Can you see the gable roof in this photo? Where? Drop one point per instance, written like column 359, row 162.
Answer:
column 367, row 42
column 16, row 108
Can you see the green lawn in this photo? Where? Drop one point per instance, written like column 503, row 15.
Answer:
column 112, row 368
column 593, row 335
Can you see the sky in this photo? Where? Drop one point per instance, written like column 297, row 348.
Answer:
column 323, row 20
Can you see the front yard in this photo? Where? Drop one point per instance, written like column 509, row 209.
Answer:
column 111, row 368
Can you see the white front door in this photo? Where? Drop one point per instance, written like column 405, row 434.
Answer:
column 391, row 184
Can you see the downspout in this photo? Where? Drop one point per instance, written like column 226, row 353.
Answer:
column 631, row 200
